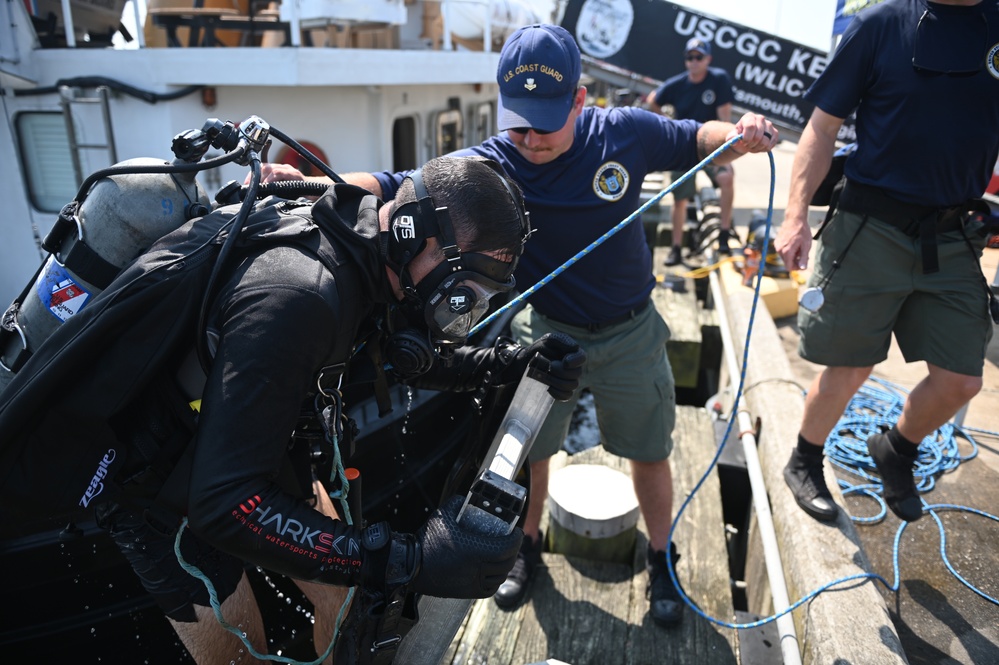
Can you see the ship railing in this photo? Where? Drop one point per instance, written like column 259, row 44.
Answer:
column 443, row 20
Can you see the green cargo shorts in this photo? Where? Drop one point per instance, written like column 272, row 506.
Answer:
column 629, row 375
column 686, row 190
column 941, row 318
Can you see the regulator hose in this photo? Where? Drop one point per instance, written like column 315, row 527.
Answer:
column 307, row 154
column 204, row 357
column 288, row 189
column 166, row 167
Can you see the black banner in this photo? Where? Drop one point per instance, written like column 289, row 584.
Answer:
column 769, row 74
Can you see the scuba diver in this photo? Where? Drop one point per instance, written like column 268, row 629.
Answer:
column 398, row 283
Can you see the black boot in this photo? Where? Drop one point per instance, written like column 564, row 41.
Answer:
column 675, row 257
column 723, row 239
column 513, row 590
column 803, row 474
column 665, row 604
column 896, row 475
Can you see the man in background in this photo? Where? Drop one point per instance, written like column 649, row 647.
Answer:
column 702, row 93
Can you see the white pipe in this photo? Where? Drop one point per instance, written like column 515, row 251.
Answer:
column 958, row 420
column 139, row 34
column 67, row 20
column 487, row 26
column 446, row 25
column 764, row 519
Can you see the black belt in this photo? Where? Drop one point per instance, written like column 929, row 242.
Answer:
column 595, row 327
column 916, row 221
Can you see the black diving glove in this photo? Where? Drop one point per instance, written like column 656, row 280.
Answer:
column 458, row 563
column 442, row 559
column 555, row 360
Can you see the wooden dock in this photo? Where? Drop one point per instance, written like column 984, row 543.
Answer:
column 582, row 612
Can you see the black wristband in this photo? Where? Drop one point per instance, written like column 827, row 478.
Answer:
column 390, row 559
column 375, row 554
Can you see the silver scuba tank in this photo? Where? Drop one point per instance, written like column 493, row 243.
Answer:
column 120, row 218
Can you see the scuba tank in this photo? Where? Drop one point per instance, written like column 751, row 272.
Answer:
column 89, row 244
column 121, row 216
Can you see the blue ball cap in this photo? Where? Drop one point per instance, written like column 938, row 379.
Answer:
column 538, row 74
column 699, row 45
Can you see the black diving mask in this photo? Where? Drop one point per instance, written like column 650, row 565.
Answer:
column 456, row 301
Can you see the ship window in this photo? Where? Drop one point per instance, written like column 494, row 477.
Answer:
column 46, row 160
column 404, row 144
column 447, row 132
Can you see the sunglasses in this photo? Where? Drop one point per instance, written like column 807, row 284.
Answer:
column 524, row 130
column 696, row 56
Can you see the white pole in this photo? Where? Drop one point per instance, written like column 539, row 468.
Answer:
column 761, row 503
column 139, row 34
column 67, row 19
column 445, row 9
column 487, row 27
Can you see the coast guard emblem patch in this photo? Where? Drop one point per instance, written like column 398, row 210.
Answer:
column 610, row 182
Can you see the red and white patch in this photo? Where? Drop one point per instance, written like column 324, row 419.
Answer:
column 60, row 293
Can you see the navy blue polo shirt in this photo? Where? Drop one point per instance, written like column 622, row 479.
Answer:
column 697, row 101
column 927, row 139
column 581, row 195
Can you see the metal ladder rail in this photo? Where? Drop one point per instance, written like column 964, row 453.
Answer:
column 69, row 96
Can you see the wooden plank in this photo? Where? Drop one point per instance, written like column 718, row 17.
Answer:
column 852, row 624
column 680, row 311
column 584, row 612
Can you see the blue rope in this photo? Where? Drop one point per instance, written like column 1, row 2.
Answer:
column 880, row 405
column 338, row 472
column 935, row 460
